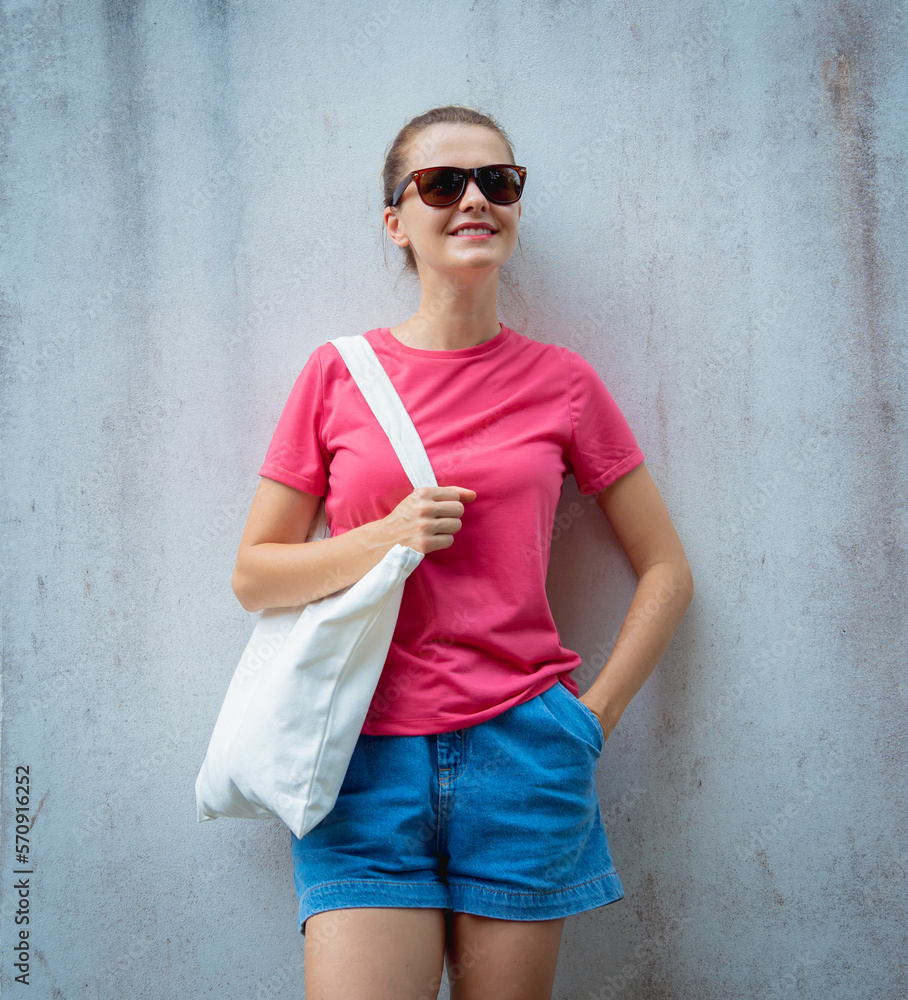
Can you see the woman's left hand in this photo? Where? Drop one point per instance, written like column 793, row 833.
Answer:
column 606, row 732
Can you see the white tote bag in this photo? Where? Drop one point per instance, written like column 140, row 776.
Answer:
column 300, row 694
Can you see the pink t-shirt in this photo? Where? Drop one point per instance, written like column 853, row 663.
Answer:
column 509, row 418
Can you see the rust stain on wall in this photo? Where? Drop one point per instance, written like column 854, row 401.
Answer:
column 852, row 106
column 872, row 410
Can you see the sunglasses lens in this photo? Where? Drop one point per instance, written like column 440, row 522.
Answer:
column 440, row 187
column 445, row 185
column 501, row 184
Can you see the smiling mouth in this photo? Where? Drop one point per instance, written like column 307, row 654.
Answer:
column 475, row 231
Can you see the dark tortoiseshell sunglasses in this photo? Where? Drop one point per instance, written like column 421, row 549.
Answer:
column 501, row 183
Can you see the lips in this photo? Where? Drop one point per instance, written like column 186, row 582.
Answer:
column 474, row 230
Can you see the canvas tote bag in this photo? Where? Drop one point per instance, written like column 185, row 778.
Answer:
column 298, row 699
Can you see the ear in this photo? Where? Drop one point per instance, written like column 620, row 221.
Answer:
column 395, row 227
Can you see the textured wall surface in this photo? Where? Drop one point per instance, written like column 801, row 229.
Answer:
column 715, row 217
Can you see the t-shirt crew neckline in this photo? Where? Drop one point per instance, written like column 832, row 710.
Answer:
column 391, row 342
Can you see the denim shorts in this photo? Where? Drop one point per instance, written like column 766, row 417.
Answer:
column 500, row 819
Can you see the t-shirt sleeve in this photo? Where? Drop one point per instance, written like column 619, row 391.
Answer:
column 297, row 455
column 603, row 447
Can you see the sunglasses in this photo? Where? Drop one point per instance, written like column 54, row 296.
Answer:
column 501, row 183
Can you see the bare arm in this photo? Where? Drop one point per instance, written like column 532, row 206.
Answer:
column 664, row 591
column 277, row 568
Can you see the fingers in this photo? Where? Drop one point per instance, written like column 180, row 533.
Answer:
column 431, row 515
column 449, row 511
column 461, row 493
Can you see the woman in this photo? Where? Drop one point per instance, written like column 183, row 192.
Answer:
column 468, row 825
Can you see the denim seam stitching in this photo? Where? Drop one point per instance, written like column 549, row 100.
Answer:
column 366, row 881
column 541, row 892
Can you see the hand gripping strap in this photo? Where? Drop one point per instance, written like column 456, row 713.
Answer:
column 387, row 406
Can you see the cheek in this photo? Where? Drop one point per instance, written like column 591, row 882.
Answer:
column 427, row 237
column 432, row 230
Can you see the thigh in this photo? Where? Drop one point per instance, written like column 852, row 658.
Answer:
column 384, row 953
column 490, row 959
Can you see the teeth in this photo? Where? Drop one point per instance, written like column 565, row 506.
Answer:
column 472, row 232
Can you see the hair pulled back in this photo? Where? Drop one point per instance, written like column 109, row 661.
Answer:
column 408, row 140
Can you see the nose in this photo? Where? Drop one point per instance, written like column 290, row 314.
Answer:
column 472, row 194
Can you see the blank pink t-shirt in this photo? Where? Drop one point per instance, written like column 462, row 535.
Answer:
column 509, row 418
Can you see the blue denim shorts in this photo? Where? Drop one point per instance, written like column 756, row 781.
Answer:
column 500, row 819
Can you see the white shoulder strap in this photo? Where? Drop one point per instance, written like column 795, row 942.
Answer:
column 387, row 406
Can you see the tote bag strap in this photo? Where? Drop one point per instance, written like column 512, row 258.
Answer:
column 387, row 406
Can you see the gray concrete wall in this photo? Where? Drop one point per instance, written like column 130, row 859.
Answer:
column 715, row 217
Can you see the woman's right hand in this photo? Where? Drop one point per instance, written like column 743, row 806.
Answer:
column 277, row 568
column 428, row 518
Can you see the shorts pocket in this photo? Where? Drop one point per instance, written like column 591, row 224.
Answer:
column 583, row 723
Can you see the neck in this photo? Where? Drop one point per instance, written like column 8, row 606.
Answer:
column 454, row 312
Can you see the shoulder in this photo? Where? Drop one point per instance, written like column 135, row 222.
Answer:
column 555, row 357
column 328, row 355
column 327, row 359
column 544, row 352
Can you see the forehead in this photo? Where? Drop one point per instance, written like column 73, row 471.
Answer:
column 456, row 146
